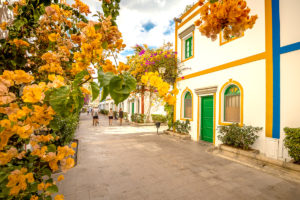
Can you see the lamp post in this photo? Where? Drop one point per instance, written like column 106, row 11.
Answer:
column 161, row 70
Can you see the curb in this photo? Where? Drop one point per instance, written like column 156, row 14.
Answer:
column 253, row 158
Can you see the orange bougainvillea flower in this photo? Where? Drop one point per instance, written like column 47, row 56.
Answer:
column 59, row 197
column 20, row 43
column 60, row 178
column 33, row 94
column 53, row 37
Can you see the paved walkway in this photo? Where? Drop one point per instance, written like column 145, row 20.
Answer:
column 123, row 162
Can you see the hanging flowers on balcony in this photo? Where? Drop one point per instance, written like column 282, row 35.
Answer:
column 231, row 16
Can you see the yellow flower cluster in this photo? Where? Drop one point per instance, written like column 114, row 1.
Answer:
column 20, row 43
column 6, row 157
column 109, row 67
column 17, row 77
column 84, row 90
column 123, row 67
column 3, row 26
column 33, row 93
column 230, row 15
column 52, row 63
column 83, row 8
column 17, row 181
column 152, row 79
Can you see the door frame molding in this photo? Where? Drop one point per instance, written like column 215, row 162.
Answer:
column 214, row 114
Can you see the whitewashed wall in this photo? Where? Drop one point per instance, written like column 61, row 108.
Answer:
column 210, row 54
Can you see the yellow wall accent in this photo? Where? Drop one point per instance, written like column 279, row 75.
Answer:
column 225, row 66
column 231, row 82
column 269, row 68
column 198, row 119
column 189, row 18
column 215, row 108
column 182, row 52
column 189, row 11
column 181, row 104
column 175, row 85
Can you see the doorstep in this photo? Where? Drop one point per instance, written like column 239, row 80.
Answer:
column 253, row 158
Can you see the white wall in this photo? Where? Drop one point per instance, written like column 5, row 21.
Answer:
column 252, row 78
column 289, row 21
column 210, row 54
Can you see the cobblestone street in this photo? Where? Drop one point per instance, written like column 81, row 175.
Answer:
column 125, row 162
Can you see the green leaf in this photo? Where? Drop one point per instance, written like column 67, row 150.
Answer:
column 59, row 100
column 105, row 93
column 95, row 90
column 104, row 45
column 104, row 78
column 129, row 84
column 51, row 148
column 79, row 77
column 52, row 189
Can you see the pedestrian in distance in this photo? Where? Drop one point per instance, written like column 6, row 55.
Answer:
column 95, row 116
column 110, row 116
column 121, row 116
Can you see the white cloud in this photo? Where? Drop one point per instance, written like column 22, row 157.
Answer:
column 135, row 13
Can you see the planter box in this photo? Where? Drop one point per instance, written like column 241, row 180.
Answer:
column 255, row 155
column 181, row 136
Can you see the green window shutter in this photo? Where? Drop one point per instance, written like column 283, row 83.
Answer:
column 191, row 46
column 186, row 49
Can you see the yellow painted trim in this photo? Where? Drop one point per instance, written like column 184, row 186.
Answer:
column 242, row 61
column 181, row 113
column 175, row 85
column 182, row 53
column 189, row 18
column 221, row 35
column 198, row 120
column 269, row 68
column 189, row 11
column 230, row 82
column 215, row 100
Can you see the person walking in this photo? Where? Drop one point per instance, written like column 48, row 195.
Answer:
column 121, row 116
column 95, row 116
column 110, row 116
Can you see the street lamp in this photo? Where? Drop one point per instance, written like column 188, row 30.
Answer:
column 161, row 70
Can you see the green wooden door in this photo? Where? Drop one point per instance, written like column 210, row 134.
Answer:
column 132, row 108
column 207, row 118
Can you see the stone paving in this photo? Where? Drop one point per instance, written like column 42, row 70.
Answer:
column 134, row 163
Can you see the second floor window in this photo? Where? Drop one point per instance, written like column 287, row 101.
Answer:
column 189, row 47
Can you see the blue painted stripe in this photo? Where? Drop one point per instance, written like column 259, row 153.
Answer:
column 276, row 69
column 290, row 47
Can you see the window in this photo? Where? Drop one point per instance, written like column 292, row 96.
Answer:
column 232, row 106
column 189, row 47
column 224, row 41
column 188, row 105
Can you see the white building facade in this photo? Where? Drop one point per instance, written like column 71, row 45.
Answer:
column 251, row 80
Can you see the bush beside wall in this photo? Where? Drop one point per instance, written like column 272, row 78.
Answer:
column 292, row 142
column 159, row 118
column 237, row 136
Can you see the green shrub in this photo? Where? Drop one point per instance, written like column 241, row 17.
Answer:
column 138, row 118
column 65, row 128
column 292, row 142
column 170, row 115
column 159, row 118
column 182, row 127
column 237, row 136
column 104, row 112
column 125, row 115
